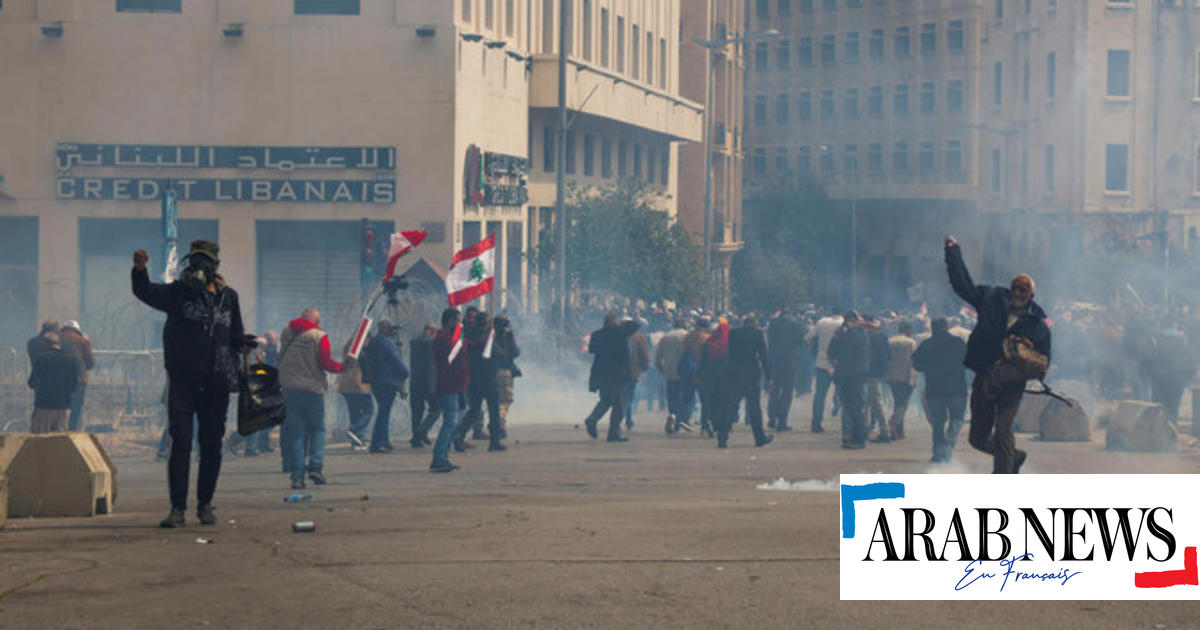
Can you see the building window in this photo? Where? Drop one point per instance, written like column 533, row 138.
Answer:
column 1116, row 167
column 954, row 36
column 635, row 56
column 489, row 14
column 662, row 62
column 875, row 102
column 903, row 43
column 954, row 155
column 804, row 105
column 1048, row 166
column 783, row 57
column 954, row 96
column 651, row 164
column 829, row 5
column 548, row 27
column 762, row 11
column 1118, row 73
column 929, row 38
column 828, row 50
column 650, row 57
column 760, row 57
column 998, row 83
column 851, row 46
column 827, row 105
column 995, row 170
column 804, row 160
column 782, row 109
column 1025, row 82
column 1050, row 78
column 1025, row 170
column 589, row 155
column 900, row 156
column 875, row 157
column 927, row 98
column 637, row 161
column 620, row 49
column 900, row 100
column 320, row 7
column 622, row 160
column 510, row 17
column 850, row 159
column 173, row 6
column 666, row 165
column 850, row 104
column 925, row 157
column 781, row 159
column 466, row 10
column 1051, row 7
column 804, row 52
column 606, row 158
column 826, row 161
column 604, row 46
column 760, row 162
column 569, row 154
column 785, row 8
column 875, row 45
column 806, row 6
column 999, row 9
column 548, row 146
column 587, row 30
column 760, row 110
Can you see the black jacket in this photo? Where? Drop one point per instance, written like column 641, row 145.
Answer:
column 940, row 359
column 984, row 347
column 54, row 377
column 203, row 332
column 881, row 353
column 387, row 369
column 748, row 362
column 610, row 363
column 420, row 360
column 850, row 352
column 784, row 334
column 505, row 352
column 483, row 370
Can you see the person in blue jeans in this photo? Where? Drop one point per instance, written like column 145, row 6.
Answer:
column 304, row 358
column 386, row 373
column 357, row 395
column 453, row 376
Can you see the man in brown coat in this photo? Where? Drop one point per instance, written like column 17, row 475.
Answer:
column 74, row 340
column 639, row 364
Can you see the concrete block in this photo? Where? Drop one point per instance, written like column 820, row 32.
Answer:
column 1141, row 427
column 1029, row 414
column 56, row 474
column 1063, row 423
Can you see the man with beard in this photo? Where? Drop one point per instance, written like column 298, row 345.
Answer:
column 1003, row 313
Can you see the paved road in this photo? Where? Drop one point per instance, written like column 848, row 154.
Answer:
column 559, row 532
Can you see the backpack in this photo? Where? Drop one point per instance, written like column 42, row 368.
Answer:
column 686, row 366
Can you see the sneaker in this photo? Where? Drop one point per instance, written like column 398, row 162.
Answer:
column 416, row 442
column 670, row 426
column 318, row 477
column 818, row 429
column 591, row 429
column 1020, row 461
column 617, row 438
column 355, row 439
column 782, row 426
column 686, row 426
column 767, row 439
column 442, row 467
column 386, row 448
column 851, row 446
column 497, row 446
column 173, row 520
column 297, row 484
column 206, row 515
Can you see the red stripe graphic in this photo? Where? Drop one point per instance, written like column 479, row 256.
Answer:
column 475, row 250
column 1187, row 576
column 470, row 293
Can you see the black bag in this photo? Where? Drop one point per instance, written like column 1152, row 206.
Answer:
column 260, row 399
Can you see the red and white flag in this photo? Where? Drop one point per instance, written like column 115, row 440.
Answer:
column 472, row 273
column 360, row 338
column 401, row 243
column 455, row 344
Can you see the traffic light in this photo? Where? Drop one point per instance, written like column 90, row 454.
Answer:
column 369, row 255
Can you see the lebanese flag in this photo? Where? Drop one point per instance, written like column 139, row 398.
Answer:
column 401, row 243
column 455, row 344
column 472, row 272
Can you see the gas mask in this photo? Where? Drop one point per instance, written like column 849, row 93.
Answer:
column 201, row 270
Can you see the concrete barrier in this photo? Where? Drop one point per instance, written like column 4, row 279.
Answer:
column 1029, row 414
column 1063, row 423
column 56, row 474
column 1141, row 427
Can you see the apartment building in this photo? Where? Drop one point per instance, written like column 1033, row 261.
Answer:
column 877, row 100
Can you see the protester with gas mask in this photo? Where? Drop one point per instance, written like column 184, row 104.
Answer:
column 202, row 337
column 1010, row 344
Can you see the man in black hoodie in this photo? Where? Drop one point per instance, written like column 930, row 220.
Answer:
column 610, row 375
column 747, row 369
column 1002, row 313
column 201, row 340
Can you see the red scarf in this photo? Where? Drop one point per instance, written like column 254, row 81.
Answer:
column 718, row 343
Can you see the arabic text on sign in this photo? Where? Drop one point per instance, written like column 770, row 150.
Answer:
column 70, row 155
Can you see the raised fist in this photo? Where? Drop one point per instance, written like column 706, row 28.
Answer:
column 950, row 242
column 140, row 258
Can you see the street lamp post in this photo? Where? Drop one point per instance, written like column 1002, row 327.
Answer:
column 712, row 46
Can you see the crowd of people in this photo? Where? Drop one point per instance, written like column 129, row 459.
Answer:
column 703, row 370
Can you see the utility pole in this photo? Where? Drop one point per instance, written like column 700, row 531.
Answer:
column 560, row 164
